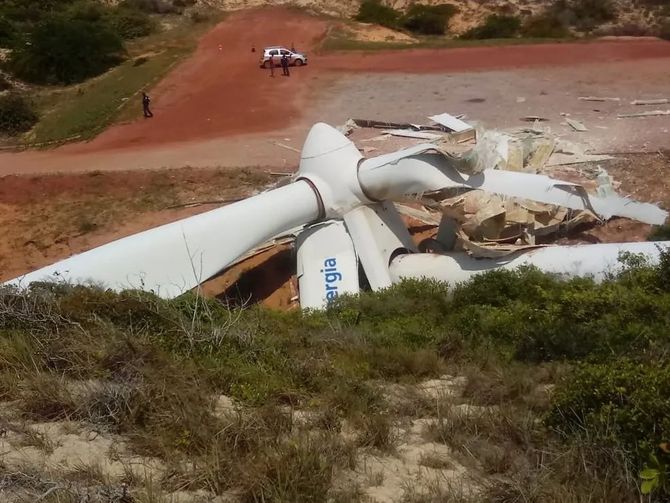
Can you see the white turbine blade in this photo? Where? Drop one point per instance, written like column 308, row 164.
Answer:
column 176, row 257
column 327, row 264
column 596, row 261
column 378, row 233
column 413, row 171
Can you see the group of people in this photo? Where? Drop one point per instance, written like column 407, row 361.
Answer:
column 284, row 63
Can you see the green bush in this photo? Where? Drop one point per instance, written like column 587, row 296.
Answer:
column 373, row 11
column 86, row 10
column 596, row 11
column 16, row 114
column 428, row 19
column 150, row 6
column 661, row 232
column 5, row 84
column 545, row 26
column 7, row 32
column 664, row 30
column 619, row 404
column 583, row 14
column 495, row 26
column 63, row 50
column 131, row 23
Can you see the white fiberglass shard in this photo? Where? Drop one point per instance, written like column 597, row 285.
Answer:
column 451, row 122
column 327, row 264
column 596, row 261
column 413, row 171
column 378, row 232
column 174, row 258
column 409, row 133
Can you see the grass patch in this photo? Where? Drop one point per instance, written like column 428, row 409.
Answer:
column 565, row 400
column 340, row 42
column 82, row 111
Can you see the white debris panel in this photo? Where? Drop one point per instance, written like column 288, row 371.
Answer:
column 450, row 122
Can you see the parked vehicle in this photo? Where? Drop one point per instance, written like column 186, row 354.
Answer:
column 273, row 54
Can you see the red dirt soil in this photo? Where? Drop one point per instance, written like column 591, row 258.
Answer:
column 221, row 91
column 467, row 59
column 219, row 105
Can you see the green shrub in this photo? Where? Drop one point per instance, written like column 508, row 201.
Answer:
column 619, row 404
column 86, row 10
column 544, row 26
column 200, row 15
column 428, row 19
column 373, row 11
column 150, row 6
column 131, row 23
column 583, row 14
column 596, row 11
column 5, row 84
column 664, row 30
column 16, row 114
column 63, row 50
column 495, row 26
column 7, row 32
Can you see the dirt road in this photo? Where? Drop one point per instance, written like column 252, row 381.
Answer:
column 220, row 108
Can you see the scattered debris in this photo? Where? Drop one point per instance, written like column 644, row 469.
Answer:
column 409, row 133
column 288, row 147
column 661, row 101
column 451, row 123
column 521, row 99
column 382, row 137
column 417, row 214
column 567, row 153
column 605, row 183
column 366, row 123
column 576, row 125
column 534, row 118
column 495, row 226
column 347, row 127
column 597, row 98
column 650, row 113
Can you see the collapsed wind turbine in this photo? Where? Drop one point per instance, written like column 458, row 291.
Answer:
column 342, row 203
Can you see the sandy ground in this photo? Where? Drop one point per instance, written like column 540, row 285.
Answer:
column 96, row 461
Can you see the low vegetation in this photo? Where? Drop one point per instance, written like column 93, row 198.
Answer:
column 52, row 44
column 560, row 19
column 566, row 393
column 16, row 114
column 419, row 19
column 495, row 26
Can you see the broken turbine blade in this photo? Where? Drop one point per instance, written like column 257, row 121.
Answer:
column 596, row 261
column 415, row 170
column 378, row 234
column 326, row 264
column 174, row 258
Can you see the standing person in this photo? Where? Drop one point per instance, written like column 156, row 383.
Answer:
column 272, row 67
column 146, row 101
column 284, row 65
